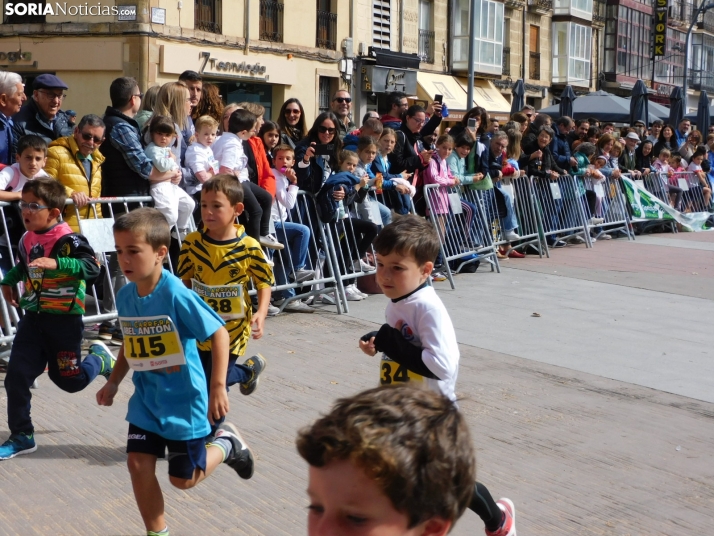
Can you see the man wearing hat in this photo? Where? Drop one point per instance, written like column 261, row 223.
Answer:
column 41, row 115
column 628, row 161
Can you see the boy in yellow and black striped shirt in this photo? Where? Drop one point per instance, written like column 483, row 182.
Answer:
column 218, row 262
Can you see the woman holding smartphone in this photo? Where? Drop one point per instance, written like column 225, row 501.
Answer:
column 316, row 154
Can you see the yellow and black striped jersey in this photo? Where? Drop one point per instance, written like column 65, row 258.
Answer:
column 214, row 263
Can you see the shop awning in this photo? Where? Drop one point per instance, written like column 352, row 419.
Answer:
column 489, row 97
column 430, row 85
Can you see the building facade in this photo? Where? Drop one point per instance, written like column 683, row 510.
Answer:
column 263, row 51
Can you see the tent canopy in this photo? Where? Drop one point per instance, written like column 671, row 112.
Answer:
column 601, row 104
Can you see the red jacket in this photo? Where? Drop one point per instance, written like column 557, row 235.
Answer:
column 266, row 179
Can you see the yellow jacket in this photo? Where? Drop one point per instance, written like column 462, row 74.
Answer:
column 63, row 165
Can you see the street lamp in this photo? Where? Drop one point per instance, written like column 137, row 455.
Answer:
column 701, row 9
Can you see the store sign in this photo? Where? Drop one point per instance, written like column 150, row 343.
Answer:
column 385, row 80
column 660, row 28
column 227, row 67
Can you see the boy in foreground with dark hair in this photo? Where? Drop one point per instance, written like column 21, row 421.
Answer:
column 396, row 461
column 161, row 320
column 56, row 265
column 418, row 341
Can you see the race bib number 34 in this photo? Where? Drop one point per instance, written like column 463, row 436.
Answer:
column 226, row 300
column 151, row 343
column 392, row 372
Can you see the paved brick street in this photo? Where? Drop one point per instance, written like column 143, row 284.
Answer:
column 578, row 450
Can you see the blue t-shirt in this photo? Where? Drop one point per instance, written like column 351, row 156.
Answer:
column 172, row 402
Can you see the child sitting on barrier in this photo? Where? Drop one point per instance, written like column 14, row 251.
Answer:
column 418, row 340
column 55, row 266
column 29, row 164
column 230, row 153
column 366, row 152
column 399, row 195
column 219, row 263
column 199, row 155
column 677, row 163
column 664, row 170
column 169, row 199
column 395, row 461
column 703, row 189
column 170, row 409
column 294, row 236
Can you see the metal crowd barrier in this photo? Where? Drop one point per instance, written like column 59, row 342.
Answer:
column 561, row 209
column 696, row 191
column 520, row 191
column 321, row 257
column 605, row 206
column 463, row 230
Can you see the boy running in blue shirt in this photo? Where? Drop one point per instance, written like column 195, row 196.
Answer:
column 161, row 320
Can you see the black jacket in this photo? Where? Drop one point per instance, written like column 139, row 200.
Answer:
column 29, row 120
column 310, row 178
column 547, row 162
column 404, row 157
column 118, row 179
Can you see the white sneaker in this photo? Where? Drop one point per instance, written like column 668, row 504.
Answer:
column 595, row 221
column 604, row 236
column 357, row 291
column 361, row 266
column 328, row 299
column 353, row 294
column 511, row 235
column 269, row 241
column 272, row 310
column 295, row 306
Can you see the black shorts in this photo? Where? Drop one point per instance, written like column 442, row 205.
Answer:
column 184, row 456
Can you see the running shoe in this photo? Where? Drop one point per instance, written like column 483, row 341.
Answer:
column 438, row 276
column 17, row 445
column 509, row 519
column 302, row 275
column 353, row 294
column 295, row 306
column 108, row 360
column 257, row 365
column 241, row 458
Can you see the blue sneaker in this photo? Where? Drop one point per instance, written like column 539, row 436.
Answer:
column 17, row 445
column 108, row 360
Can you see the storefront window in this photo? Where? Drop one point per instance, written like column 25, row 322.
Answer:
column 231, row 92
column 572, row 53
column 488, row 34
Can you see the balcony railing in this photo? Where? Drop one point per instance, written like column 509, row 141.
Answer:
column 534, row 66
column 506, row 62
column 701, row 80
column 271, row 21
column 426, row 46
column 541, row 6
column 208, row 15
column 326, row 30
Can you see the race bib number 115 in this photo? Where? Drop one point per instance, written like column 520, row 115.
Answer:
column 151, row 343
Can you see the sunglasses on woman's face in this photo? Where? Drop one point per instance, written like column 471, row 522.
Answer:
column 325, row 130
column 292, row 111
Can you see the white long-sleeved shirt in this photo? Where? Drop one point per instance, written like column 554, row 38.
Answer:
column 228, row 150
column 285, row 197
column 160, row 157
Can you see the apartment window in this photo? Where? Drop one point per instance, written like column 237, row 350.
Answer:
column 326, row 25
column 426, row 31
column 488, row 34
column 271, row 21
column 381, row 20
column 578, row 8
column 628, row 42
column 208, row 15
column 21, row 15
column 670, row 68
column 324, row 93
column 534, row 53
column 572, row 53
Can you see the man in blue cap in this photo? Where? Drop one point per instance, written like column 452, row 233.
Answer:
column 41, row 115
